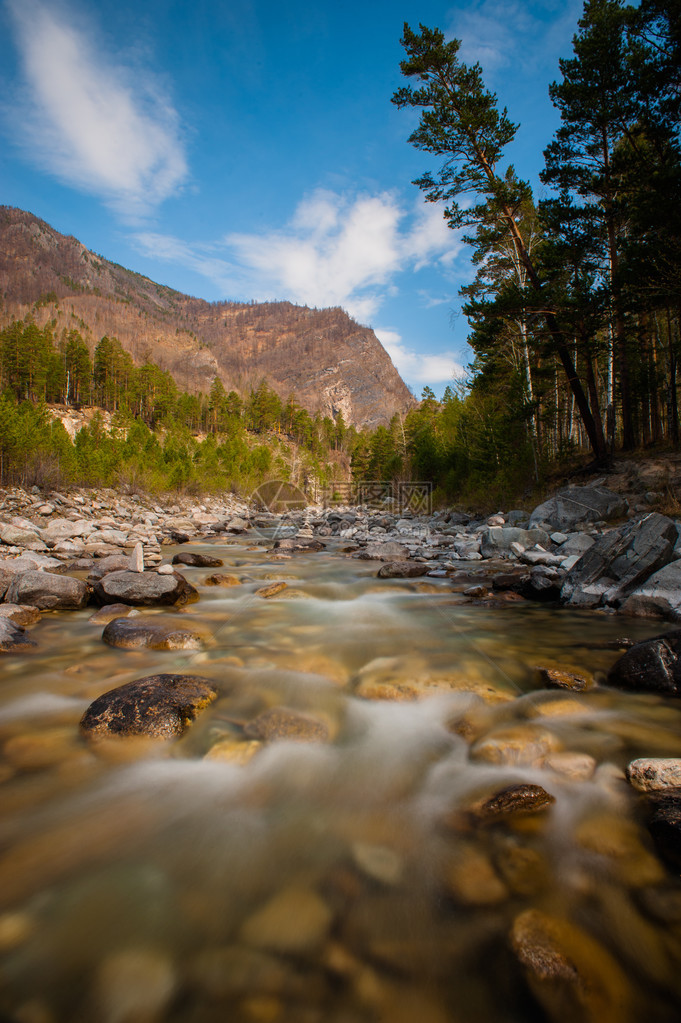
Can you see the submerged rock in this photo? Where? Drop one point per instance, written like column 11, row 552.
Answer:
column 282, row 723
column 144, row 589
column 159, row 706
column 559, row 678
column 512, row 800
column 152, row 633
column 197, row 560
column 222, row 579
column 107, row 613
column 272, row 590
column 653, row 666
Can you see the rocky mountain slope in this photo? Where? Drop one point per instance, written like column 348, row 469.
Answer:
column 326, row 359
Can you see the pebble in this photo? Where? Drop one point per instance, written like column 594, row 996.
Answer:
column 295, row 921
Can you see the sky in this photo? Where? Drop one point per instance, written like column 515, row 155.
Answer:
column 248, row 149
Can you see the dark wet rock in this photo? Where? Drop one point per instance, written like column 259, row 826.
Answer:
column 655, row 774
column 47, row 591
column 144, row 589
column 131, row 634
column 541, row 585
column 558, row 678
column 222, row 579
column 659, row 596
column 572, row 976
column 497, row 540
column 620, row 561
column 653, row 666
column 388, row 551
column 664, row 824
column 579, row 504
column 505, row 581
column 283, row 723
column 178, row 537
column 512, row 800
column 13, row 639
column 159, row 706
column 197, row 560
column 402, row 570
column 107, row 613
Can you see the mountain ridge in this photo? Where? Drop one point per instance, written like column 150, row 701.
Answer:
column 328, row 361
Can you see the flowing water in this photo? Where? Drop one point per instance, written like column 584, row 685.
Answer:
column 216, row 878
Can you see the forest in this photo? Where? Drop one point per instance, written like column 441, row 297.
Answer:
column 574, row 309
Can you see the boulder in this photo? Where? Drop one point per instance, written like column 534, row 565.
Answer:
column 47, row 591
column 659, row 596
column 13, row 638
column 159, row 706
column 131, row 634
column 653, row 666
column 388, row 551
column 20, row 614
column 197, row 560
column 620, row 561
column 17, row 536
column 496, row 541
column 579, row 504
column 576, row 543
column 144, row 589
column 111, row 563
column 402, row 570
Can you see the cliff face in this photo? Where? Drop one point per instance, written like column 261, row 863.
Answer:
column 322, row 356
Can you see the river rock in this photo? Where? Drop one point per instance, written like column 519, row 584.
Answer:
column 664, row 824
column 402, row 570
column 571, row 975
column 497, row 540
column 159, row 706
column 620, row 561
column 659, row 596
column 47, row 591
column 576, row 544
column 151, row 633
column 559, row 678
column 107, row 613
column 655, row 774
column 197, row 560
column 17, row 536
column 511, row 800
column 111, row 563
column 653, row 666
column 132, row 984
column 283, row 723
column 388, row 551
column 272, row 590
column 295, row 921
column 13, row 638
column 578, row 504
column 144, row 589
column 222, row 579
column 522, row 744
column 20, row 614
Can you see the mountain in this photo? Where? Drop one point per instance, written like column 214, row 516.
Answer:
column 322, row 356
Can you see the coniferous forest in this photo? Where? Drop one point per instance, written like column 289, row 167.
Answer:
column 574, row 308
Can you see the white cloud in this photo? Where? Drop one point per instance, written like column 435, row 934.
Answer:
column 98, row 124
column 337, row 250
column 511, row 33
column 419, row 367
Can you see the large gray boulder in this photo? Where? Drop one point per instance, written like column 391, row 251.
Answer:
column 659, row 596
column 47, row 591
column 144, row 589
column 159, row 706
column 579, row 504
column 497, row 540
column 620, row 561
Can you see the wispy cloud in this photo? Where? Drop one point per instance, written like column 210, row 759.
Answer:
column 514, row 33
column 417, row 367
column 101, row 124
column 345, row 250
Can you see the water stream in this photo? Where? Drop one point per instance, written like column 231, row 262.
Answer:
column 349, row 881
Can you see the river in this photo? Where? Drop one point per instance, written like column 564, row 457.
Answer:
column 353, row 880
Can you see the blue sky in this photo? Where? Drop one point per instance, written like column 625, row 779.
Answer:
column 248, row 149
